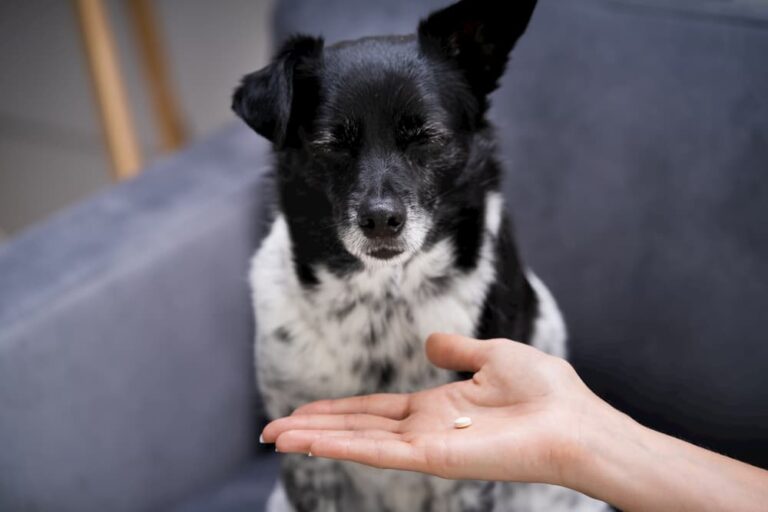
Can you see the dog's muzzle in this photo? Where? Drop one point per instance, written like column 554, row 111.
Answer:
column 381, row 220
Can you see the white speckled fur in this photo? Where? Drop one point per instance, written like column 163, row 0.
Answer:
column 549, row 331
column 394, row 306
column 331, row 344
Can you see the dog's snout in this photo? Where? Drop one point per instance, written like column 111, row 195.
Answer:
column 381, row 217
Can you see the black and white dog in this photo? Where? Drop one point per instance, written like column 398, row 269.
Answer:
column 390, row 226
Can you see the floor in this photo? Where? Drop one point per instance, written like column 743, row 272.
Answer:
column 51, row 148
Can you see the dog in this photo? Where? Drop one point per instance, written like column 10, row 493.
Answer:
column 389, row 225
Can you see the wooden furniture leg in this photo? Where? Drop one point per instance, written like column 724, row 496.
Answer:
column 165, row 107
column 116, row 120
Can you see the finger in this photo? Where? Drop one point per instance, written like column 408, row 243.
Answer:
column 454, row 352
column 300, row 441
column 389, row 405
column 380, row 453
column 327, row 422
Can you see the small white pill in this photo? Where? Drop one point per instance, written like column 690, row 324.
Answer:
column 462, row 422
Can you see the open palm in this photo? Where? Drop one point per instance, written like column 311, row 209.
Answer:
column 524, row 407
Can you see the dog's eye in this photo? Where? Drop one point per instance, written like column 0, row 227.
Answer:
column 413, row 130
column 346, row 134
column 341, row 137
column 410, row 130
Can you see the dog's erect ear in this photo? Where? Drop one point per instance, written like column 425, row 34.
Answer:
column 274, row 99
column 478, row 36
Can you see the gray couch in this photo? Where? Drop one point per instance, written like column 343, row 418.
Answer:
column 636, row 138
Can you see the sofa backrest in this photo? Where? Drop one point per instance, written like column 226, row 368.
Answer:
column 636, row 137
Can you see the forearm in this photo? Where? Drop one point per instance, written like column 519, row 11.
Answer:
column 636, row 468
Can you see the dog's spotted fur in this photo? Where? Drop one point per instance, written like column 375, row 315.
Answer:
column 361, row 333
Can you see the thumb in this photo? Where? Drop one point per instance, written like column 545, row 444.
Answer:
column 454, row 352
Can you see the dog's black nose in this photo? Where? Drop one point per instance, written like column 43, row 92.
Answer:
column 381, row 217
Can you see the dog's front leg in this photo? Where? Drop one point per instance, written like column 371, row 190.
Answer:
column 461, row 496
column 314, row 485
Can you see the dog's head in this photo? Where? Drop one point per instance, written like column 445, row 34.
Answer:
column 384, row 129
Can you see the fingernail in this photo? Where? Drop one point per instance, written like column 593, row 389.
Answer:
column 309, row 454
column 261, row 439
column 276, row 449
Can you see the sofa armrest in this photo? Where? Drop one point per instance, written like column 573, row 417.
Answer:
column 125, row 337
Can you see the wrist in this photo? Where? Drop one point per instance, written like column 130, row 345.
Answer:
column 617, row 460
column 603, row 438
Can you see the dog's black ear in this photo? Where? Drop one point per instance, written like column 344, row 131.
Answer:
column 478, row 36
column 270, row 100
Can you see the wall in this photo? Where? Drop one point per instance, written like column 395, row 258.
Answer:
column 51, row 148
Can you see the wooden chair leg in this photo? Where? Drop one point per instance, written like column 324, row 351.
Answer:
column 116, row 120
column 165, row 107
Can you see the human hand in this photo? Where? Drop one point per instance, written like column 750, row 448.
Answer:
column 527, row 410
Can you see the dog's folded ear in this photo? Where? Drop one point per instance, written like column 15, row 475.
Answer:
column 477, row 35
column 276, row 99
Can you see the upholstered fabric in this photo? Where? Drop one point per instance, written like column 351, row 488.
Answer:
column 125, row 338
column 245, row 491
column 637, row 145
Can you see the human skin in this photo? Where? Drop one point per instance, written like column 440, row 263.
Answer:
column 533, row 420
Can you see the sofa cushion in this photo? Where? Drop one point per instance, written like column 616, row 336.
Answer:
column 245, row 491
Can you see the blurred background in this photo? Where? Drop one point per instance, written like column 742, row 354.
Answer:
column 53, row 149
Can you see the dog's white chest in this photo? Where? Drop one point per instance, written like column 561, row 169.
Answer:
column 358, row 334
